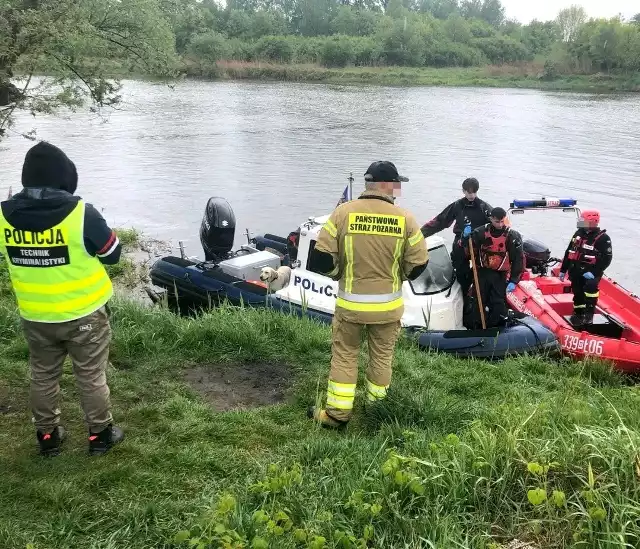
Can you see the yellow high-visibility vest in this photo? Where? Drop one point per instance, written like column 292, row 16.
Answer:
column 54, row 278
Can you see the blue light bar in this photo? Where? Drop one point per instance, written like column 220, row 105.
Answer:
column 545, row 203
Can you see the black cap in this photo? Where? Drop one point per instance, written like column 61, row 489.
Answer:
column 383, row 170
column 498, row 213
column 45, row 165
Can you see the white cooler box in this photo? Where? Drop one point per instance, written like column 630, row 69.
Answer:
column 248, row 267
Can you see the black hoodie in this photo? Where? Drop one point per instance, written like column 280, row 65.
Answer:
column 475, row 212
column 49, row 179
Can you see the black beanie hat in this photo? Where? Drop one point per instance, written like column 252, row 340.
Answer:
column 45, row 165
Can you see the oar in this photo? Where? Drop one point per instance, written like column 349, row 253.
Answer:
column 475, row 278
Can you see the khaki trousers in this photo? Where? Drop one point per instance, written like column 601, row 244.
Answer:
column 343, row 377
column 86, row 341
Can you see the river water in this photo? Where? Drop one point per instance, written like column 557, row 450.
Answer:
column 280, row 153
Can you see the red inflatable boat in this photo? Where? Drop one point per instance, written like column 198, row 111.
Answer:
column 615, row 332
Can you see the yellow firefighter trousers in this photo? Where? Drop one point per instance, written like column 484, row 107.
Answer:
column 341, row 389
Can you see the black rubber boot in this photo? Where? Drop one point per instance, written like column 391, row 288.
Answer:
column 587, row 319
column 102, row 442
column 50, row 443
column 577, row 319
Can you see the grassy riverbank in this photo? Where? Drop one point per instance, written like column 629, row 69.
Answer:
column 524, row 75
column 508, row 76
column 462, row 454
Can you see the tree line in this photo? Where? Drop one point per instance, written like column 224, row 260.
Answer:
column 438, row 33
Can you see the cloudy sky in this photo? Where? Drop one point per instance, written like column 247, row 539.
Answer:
column 526, row 10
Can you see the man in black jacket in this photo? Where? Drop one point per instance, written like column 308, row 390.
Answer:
column 588, row 255
column 55, row 246
column 468, row 211
column 500, row 259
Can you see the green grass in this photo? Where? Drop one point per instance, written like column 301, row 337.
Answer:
column 523, row 75
column 126, row 271
column 129, row 238
column 453, row 459
column 506, row 76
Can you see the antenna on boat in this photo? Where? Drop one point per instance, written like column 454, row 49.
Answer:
column 182, row 254
column 350, row 185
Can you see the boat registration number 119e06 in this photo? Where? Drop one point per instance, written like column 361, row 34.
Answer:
column 586, row 345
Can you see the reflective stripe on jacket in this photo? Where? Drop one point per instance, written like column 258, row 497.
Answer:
column 375, row 245
column 53, row 276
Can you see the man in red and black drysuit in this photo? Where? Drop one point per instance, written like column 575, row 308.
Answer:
column 588, row 255
column 500, row 262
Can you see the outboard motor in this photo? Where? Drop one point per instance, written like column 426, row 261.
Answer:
column 218, row 229
column 536, row 255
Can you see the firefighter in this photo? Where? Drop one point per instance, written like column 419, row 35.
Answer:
column 588, row 255
column 370, row 246
column 55, row 246
column 467, row 210
column 500, row 263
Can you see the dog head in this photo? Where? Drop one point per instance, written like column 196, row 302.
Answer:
column 267, row 274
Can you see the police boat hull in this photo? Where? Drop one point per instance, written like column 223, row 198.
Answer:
column 519, row 336
column 192, row 286
column 433, row 303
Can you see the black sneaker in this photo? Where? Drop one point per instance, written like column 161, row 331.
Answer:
column 50, row 442
column 101, row 442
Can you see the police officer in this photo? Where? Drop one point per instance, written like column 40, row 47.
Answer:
column 588, row 255
column 500, row 263
column 370, row 246
column 55, row 246
column 469, row 210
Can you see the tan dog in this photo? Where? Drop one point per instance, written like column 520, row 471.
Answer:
column 275, row 279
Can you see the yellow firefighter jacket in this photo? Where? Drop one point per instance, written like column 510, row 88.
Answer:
column 375, row 245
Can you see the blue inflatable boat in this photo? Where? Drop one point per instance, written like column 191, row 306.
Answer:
column 227, row 276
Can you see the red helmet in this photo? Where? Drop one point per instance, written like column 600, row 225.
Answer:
column 592, row 217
